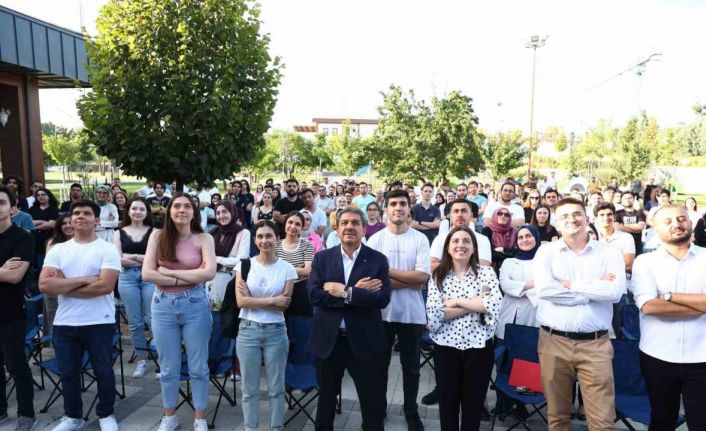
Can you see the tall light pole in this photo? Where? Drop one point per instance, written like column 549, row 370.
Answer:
column 534, row 42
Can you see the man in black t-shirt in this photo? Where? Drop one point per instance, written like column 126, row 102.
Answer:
column 631, row 220
column 158, row 203
column 290, row 202
column 16, row 253
column 75, row 194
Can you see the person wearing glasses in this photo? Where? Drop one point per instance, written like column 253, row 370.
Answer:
column 534, row 198
column 109, row 217
column 502, row 236
column 577, row 281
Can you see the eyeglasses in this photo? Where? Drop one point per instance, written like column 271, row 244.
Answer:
column 503, row 214
column 101, row 192
column 534, row 198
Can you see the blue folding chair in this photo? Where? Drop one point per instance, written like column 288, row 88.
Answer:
column 520, row 343
column 300, row 372
column 631, row 399
column 630, row 323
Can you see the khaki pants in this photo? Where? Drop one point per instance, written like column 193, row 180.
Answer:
column 562, row 359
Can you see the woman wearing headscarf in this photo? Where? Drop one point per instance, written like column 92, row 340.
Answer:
column 109, row 218
column 502, row 236
column 516, row 307
column 232, row 243
column 312, row 237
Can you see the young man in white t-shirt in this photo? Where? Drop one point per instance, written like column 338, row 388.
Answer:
column 407, row 252
column 505, row 198
column 83, row 272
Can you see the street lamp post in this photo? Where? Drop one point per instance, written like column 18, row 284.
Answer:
column 533, row 43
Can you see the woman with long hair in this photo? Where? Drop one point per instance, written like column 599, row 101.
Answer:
column 215, row 199
column 246, row 202
column 232, row 244
column 340, row 190
column 502, row 236
column 63, row 231
column 700, row 232
column 276, row 195
column 136, row 293
column 180, row 258
column 374, row 224
column 44, row 212
column 258, row 194
column 299, row 253
column 120, row 200
column 312, row 237
column 540, row 220
column 463, row 307
column 692, row 210
column 264, row 211
column 262, row 336
column 534, row 198
column 439, row 200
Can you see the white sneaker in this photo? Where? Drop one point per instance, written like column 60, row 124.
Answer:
column 235, row 377
column 70, row 424
column 157, row 375
column 108, row 423
column 169, row 423
column 141, row 368
column 200, row 425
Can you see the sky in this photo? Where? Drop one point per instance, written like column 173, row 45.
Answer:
column 339, row 55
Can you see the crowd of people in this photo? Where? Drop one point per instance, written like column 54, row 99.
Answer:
column 375, row 271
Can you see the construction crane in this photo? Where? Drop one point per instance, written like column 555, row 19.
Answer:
column 638, row 69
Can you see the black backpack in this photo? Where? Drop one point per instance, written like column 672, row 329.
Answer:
column 229, row 308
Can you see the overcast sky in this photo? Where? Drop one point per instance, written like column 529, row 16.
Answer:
column 340, row 54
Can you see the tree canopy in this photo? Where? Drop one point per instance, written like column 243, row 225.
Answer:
column 181, row 90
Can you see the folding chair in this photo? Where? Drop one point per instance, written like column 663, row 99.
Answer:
column 222, row 367
column 300, row 373
column 427, row 350
column 630, row 323
column 520, row 343
column 631, row 399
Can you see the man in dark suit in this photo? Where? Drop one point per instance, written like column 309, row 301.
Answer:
column 348, row 287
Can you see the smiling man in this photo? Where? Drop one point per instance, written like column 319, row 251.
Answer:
column 577, row 282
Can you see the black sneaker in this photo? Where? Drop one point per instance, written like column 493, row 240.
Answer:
column 414, row 423
column 431, row 398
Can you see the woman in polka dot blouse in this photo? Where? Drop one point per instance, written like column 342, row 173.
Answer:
column 463, row 306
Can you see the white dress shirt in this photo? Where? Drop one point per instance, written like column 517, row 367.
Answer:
column 588, row 305
column 516, row 306
column 672, row 339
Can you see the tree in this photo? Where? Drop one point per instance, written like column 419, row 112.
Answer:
column 503, row 152
column 556, row 135
column 181, row 90
column 65, row 149
column 633, row 149
column 417, row 142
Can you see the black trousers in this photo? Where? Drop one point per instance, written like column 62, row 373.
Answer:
column 369, row 380
column 409, row 340
column 462, row 377
column 666, row 382
column 12, row 357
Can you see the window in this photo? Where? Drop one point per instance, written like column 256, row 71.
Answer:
column 334, row 131
column 326, row 130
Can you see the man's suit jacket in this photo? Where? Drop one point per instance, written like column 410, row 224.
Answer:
column 362, row 315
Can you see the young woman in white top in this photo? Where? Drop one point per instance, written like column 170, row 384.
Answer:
column 109, row 218
column 262, row 335
column 463, row 305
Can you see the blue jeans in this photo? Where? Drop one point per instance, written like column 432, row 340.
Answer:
column 176, row 318
column 136, row 295
column 254, row 341
column 69, row 344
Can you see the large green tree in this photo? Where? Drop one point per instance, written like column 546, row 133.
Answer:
column 182, row 89
column 503, row 152
column 632, row 155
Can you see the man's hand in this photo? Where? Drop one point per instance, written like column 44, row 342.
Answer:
column 335, row 289
column 608, row 277
column 529, row 284
column 369, row 284
column 565, row 283
column 12, row 263
column 243, row 288
column 281, row 301
column 53, row 273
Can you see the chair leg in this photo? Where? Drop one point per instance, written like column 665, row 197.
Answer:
column 56, row 393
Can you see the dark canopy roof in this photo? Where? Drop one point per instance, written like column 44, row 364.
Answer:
column 53, row 55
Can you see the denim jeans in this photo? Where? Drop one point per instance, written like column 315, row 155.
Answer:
column 255, row 341
column 136, row 295
column 69, row 344
column 176, row 318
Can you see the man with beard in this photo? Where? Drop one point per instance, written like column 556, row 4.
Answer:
column 290, row 202
column 462, row 193
column 76, row 194
column 669, row 288
column 407, row 251
column 158, row 203
column 631, row 220
column 14, row 185
column 577, row 281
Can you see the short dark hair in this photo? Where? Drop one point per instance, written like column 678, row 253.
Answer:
column 292, row 180
column 664, row 191
column 610, row 188
column 294, row 214
column 550, row 190
column 17, row 178
column 462, row 184
column 508, row 183
column 302, row 192
column 266, row 223
column 463, row 202
column 347, row 210
column 81, row 203
column 603, row 206
column 362, row 183
column 427, row 185
column 398, row 193
column 570, row 201
column 474, row 183
column 79, row 186
column 127, row 221
column 10, row 196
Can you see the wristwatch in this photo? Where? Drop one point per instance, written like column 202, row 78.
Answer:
column 347, row 293
column 667, row 296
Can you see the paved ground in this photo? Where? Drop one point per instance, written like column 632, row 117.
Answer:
column 141, row 408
